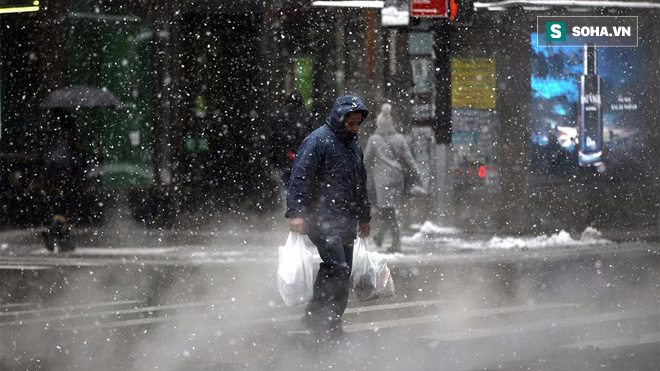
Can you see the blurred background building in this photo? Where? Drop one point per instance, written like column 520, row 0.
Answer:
column 491, row 117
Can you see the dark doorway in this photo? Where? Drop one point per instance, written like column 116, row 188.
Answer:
column 21, row 139
column 221, row 158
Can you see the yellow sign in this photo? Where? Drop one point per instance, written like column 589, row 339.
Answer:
column 473, row 83
column 18, row 6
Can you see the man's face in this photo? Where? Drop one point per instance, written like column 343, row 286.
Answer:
column 352, row 122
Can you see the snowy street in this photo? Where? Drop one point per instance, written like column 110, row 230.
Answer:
column 165, row 166
column 461, row 303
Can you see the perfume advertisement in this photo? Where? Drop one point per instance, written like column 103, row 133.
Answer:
column 586, row 111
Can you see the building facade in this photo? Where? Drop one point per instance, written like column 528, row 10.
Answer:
column 490, row 116
column 199, row 81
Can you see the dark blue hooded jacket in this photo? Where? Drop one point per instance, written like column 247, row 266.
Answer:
column 328, row 179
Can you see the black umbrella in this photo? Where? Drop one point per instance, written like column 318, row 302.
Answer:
column 81, row 96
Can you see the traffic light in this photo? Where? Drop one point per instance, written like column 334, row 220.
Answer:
column 461, row 12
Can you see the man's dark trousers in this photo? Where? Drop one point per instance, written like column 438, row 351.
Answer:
column 334, row 241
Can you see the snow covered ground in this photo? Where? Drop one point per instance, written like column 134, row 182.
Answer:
column 430, row 233
column 430, row 242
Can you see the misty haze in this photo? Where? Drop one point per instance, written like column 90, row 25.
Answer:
column 149, row 151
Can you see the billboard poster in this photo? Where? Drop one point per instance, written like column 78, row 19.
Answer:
column 474, row 122
column 423, row 77
column 423, row 89
column 474, row 146
column 586, row 111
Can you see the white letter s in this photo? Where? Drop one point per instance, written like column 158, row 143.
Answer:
column 555, row 31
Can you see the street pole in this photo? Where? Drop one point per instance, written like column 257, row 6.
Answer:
column 513, row 73
column 441, row 181
column 162, row 37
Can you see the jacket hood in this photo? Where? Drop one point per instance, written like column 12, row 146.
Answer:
column 384, row 121
column 343, row 106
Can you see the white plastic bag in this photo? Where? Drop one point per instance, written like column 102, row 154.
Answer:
column 294, row 274
column 370, row 276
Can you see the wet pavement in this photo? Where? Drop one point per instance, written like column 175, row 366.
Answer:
column 138, row 299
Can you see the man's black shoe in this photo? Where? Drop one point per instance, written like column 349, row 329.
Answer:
column 49, row 240
column 313, row 326
column 321, row 331
column 66, row 244
column 336, row 333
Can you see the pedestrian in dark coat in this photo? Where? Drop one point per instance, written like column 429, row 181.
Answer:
column 62, row 175
column 291, row 124
column 388, row 159
column 328, row 200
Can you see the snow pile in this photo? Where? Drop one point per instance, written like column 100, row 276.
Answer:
column 429, row 232
column 590, row 236
column 428, row 229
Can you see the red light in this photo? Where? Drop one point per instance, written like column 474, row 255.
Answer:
column 290, row 155
column 482, row 171
column 453, row 9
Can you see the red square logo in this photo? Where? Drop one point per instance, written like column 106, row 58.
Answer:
column 428, row 8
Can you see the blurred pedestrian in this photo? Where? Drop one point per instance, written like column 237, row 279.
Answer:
column 328, row 200
column 389, row 160
column 290, row 125
column 62, row 175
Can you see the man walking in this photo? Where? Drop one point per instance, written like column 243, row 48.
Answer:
column 328, row 201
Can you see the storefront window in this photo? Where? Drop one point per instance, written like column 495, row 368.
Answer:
column 114, row 52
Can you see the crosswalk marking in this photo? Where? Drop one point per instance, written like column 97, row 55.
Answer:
column 617, row 342
column 17, row 305
column 357, row 310
column 124, row 251
column 112, row 251
column 538, row 326
column 156, row 315
column 406, row 304
column 349, row 328
column 25, row 267
column 62, row 260
column 452, row 316
column 66, row 310
column 17, row 313
column 96, row 260
column 111, row 312
column 250, row 322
